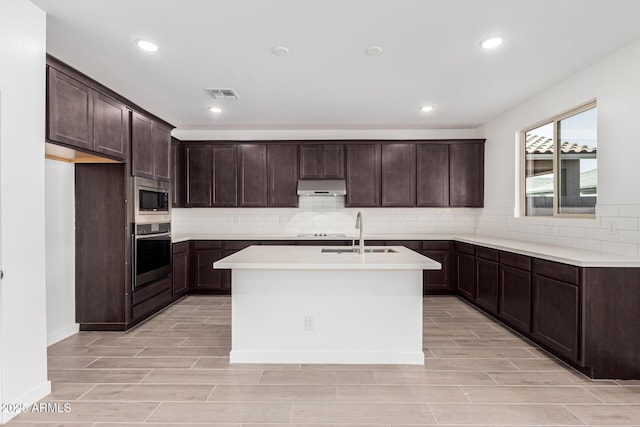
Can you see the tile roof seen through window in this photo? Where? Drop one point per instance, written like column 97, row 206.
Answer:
column 536, row 144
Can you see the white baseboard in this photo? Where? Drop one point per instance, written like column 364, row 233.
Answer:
column 26, row 401
column 62, row 334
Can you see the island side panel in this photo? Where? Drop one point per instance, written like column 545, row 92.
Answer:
column 327, row 316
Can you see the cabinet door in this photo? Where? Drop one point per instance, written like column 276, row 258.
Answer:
column 252, row 175
column 178, row 179
column 333, row 161
column 70, row 111
column 435, row 281
column 180, row 270
column 110, row 127
column 142, row 146
column 203, row 276
column 432, row 175
column 515, row 297
column 398, row 174
column 322, row 161
column 225, row 187
column 466, row 274
column 161, row 149
column 556, row 321
column 310, row 161
column 363, row 175
column 199, row 175
column 283, row 175
column 487, row 285
column 466, row 174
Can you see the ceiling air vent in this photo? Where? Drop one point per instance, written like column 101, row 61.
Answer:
column 222, row 93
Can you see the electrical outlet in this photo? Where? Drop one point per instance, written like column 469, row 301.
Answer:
column 611, row 227
column 308, row 323
column 236, row 221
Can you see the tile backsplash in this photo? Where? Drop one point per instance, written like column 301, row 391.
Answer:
column 325, row 214
column 615, row 229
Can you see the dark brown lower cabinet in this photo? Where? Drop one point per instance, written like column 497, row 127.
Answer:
column 150, row 298
column 180, row 268
column 556, row 321
column 515, row 297
column 438, row 281
column 487, row 285
column 465, row 269
column 202, row 276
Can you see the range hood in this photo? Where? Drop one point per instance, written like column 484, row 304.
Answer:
column 322, row 187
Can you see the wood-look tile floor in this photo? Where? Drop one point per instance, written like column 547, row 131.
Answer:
column 174, row 370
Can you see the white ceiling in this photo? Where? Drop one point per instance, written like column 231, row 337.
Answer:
column 430, row 56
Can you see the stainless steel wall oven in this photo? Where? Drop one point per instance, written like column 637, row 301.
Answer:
column 151, row 253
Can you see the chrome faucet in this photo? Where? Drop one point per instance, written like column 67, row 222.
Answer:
column 360, row 227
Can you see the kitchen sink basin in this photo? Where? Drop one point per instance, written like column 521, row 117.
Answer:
column 355, row 251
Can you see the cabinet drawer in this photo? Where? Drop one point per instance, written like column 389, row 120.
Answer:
column 487, row 253
column 465, row 248
column 522, row 262
column 207, row 244
column 151, row 305
column 180, row 247
column 438, row 245
column 555, row 270
column 148, row 291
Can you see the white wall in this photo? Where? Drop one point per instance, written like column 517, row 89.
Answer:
column 23, row 339
column 60, row 250
column 614, row 82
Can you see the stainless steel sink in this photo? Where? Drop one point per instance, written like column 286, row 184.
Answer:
column 356, row 250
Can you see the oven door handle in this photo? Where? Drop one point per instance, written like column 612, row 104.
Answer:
column 151, row 236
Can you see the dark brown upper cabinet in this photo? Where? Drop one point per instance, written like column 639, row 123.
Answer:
column 150, row 146
column 161, row 150
column 198, row 175
column 466, row 174
column 319, row 161
column 398, row 175
column 363, row 175
column 252, row 175
column 283, row 174
column 432, row 180
column 178, row 181
column 82, row 117
column 142, row 146
column 225, row 184
column 210, row 172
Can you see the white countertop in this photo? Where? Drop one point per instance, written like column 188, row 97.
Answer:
column 310, row 258
column 572, row 256
column 176, row 238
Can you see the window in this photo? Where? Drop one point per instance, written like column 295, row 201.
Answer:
column 560, row 172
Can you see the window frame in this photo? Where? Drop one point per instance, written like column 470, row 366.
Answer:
column 556, row 153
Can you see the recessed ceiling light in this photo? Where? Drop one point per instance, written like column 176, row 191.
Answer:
column 147, row 45
column 491, row 42
column 280, row 51
column 373, row 50
column 426, row 108
column 215, row 109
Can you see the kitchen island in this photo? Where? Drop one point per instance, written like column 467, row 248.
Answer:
column 307, row 304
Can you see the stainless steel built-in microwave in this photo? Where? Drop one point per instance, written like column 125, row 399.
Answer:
column 152, row 201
